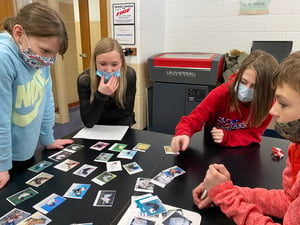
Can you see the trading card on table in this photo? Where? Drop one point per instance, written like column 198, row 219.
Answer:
column 103, row 157
column 39, row 179
column 59, row 156
column 14, row 216
column 100, row 145
column 105, row 198
column 176, row 218
column 104, row 178
column 85, row 170
column 142, row 147
column 112, row 166
column 126, row 154
column 66, row 165
column 49, row 203
column 117, row 147
column 170, row 212
column 132, row 168
column 161, row 179
column 168, row 150
column 22, row 196
column 173, row 171
column 74, row 147
column 151, row 206
column 40, row 166
column 144, row 185
column 140, row 220
column 36, row 218
column 77, row 191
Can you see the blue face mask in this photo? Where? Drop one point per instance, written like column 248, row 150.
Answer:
column 107, row 76
column 244, row 94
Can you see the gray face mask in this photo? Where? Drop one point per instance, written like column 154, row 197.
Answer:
column 244, row 94
column 289, row 130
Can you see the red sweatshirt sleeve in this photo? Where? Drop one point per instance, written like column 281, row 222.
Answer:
column 248, row 206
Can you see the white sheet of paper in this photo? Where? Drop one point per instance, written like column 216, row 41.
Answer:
column 102, row 132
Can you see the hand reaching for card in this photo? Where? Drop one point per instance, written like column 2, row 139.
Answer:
column 180, row 143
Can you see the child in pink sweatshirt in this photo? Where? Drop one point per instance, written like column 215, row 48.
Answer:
column 253, row 205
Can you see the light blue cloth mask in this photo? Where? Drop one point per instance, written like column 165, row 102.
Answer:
column 244, row 94
column 107, row 76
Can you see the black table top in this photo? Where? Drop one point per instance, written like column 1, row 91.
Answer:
column 249, row 166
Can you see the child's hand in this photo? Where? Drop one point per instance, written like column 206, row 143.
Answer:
column 110, row 87
column 59, row 143
column 200, row 200
column 4, row 178
column 215, row 175
column 217, row 135
column 180, row 143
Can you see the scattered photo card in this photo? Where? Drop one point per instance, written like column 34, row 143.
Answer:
column 132, row 168
column 14, row 216
column 100, row 145
column 126, row 154
column 176, row 218
column 85, row 170
column 173, row 171
column 39, row 179
column 103, row 157
column 144, row 185
column 161, row 179
column 36, row 218
column 169, row 150
column 66, row 165
column 117, row 147
column 74, row 147
column 22, row 196
column 104, row 178
column 150, row 206
column 140, row 220
column 77, row 191
column 40, row 166
column 113, row 166
column 105, row 198
column 142, row 147
column 49, row 203
column 59, row 156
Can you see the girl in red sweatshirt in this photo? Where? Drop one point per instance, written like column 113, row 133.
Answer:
column 250, row 206
column 238, row 110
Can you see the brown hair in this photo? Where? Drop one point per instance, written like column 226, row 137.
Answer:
column 264, row 64
column 103, row 46
column 288, row 72
column 38, row 19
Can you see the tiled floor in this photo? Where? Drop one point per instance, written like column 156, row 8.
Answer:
column 61, row 130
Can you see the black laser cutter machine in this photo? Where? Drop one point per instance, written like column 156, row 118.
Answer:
column 180, row 82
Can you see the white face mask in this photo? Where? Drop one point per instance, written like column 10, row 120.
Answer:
column 244, row 94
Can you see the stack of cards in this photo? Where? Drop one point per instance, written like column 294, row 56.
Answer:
column 150, row 205
column 172, row 215
column 167, row 175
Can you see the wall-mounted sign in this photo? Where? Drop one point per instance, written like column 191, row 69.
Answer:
column 124, row 23
column 254, row 7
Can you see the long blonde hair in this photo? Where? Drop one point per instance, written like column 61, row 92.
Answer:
column 264, row 64
column 103, row 46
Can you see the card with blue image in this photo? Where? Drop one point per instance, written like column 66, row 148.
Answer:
column 49, row 203
column 77, row 190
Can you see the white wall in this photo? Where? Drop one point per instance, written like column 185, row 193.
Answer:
column 216, row 26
